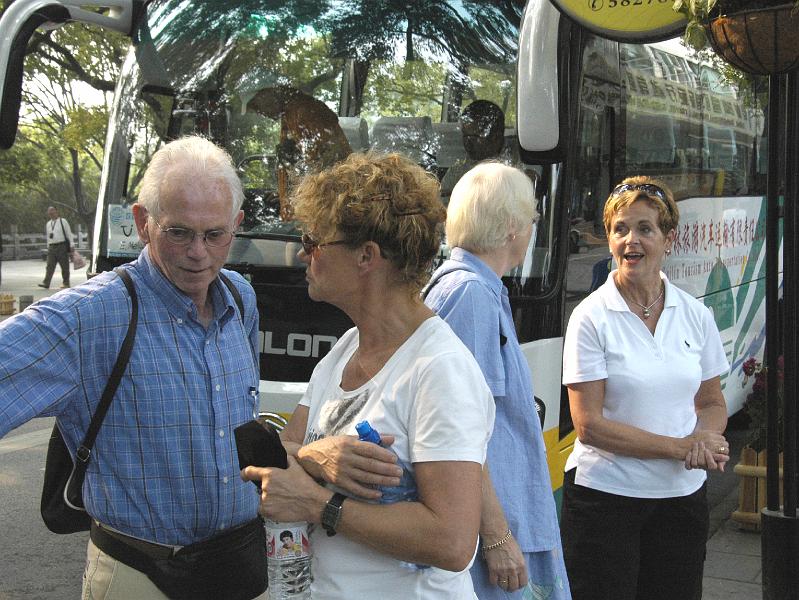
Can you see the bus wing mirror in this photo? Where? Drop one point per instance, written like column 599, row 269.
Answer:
column 18, row 23
column 537, row 78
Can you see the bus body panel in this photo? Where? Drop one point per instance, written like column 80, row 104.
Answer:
column 587, row 111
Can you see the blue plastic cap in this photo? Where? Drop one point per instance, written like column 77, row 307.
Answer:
column 366, row 433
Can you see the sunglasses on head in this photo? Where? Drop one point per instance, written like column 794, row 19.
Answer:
column 648, row 188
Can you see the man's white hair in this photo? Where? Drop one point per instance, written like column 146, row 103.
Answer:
column 194, row 156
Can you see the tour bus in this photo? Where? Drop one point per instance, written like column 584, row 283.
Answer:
column 284, row 86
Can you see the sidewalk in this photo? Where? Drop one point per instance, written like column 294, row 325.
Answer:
column 20, row 278
column 733, row 567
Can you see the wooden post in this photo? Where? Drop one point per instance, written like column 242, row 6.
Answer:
column 752, row 488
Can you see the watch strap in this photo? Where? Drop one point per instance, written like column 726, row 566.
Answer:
column 331, row 515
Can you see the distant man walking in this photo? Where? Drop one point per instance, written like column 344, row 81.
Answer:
column 59, row 245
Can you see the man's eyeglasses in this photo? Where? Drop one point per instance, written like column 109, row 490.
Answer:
column 182, row 236
column 309, row 245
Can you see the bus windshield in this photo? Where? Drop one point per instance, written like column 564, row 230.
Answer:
column 293, row 86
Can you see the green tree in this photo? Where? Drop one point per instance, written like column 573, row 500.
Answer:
column 57, row 158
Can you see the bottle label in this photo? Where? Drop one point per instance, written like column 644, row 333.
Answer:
column 286, row 541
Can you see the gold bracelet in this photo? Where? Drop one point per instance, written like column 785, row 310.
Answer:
column 495, row 545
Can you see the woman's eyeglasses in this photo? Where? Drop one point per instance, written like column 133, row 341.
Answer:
column 182, row 236
column 309, row 245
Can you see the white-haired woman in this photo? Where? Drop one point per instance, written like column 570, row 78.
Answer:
column 490, row 221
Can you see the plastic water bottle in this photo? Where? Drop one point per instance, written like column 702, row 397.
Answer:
column 288, row 556
column 406, row 491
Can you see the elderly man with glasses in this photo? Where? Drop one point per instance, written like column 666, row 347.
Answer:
column 163, row 480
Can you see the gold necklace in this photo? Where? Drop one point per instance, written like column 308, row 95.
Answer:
column 646, row 309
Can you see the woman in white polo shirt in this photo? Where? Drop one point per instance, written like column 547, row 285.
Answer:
column 642, row 361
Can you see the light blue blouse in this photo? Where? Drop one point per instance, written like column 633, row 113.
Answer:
column 472, row 299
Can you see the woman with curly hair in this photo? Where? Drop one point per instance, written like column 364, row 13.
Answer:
column 373, row 225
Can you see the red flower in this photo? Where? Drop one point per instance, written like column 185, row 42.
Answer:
column 749, row 366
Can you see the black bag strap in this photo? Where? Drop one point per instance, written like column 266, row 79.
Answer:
column 234, row 291
column 64, row 231
column 83, row 453
column 431, row 284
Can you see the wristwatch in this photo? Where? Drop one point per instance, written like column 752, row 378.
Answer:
column 331, row 515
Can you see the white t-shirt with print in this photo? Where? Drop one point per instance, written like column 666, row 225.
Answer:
column 651, row 382
column 432, row 397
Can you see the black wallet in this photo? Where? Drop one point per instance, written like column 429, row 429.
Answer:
column 258, row 444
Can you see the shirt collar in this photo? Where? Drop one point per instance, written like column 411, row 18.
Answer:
column 176, row 302
column 614, row 301
column 477, row 266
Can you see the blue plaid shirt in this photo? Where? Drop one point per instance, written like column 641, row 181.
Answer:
column 164, row 467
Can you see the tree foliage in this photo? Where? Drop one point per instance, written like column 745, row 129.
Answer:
column 57, row 156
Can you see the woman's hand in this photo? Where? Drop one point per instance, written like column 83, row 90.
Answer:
column 288, row 495
column 713, row 441
column 701, row 457
column 354, row 466
column 709, row 450
column 506, row 566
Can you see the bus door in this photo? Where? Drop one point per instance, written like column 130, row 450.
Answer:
column 594, row 167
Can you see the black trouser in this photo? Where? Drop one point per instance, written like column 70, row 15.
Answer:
column 57, row 253
column 622, row 548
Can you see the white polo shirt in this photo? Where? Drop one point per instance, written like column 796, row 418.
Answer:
column 650, row 384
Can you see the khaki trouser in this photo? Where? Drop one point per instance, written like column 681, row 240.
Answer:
column 108, row 579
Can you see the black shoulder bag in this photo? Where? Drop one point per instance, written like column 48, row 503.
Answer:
column 62, row 494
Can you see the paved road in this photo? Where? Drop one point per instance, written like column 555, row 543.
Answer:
column 39, row 565
column 35, row 564
column 20, row 278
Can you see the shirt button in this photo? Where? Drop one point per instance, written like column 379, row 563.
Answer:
column 224, row 480
column 221, row 433
column 180, row 321
column 218, row 387
column 207, row 342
